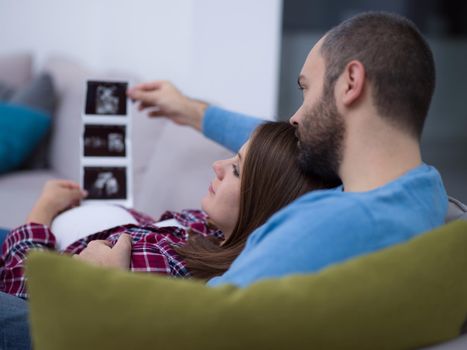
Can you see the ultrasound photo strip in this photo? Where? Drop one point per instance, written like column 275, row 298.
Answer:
column 105, row 152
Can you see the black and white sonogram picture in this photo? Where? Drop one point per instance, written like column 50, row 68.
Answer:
column 106, row 98
column 104, row 140
column 105, row 182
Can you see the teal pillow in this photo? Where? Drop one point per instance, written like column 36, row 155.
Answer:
column 21, row 129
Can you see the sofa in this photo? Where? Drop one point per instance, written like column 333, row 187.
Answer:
column 408, row 296
column 171, row 164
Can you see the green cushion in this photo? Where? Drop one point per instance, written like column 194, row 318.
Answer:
column 21, row 129
column 404, row 297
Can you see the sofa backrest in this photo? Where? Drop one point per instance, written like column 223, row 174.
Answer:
column 456, row 210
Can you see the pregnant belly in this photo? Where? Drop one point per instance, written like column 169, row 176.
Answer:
column 86, row 220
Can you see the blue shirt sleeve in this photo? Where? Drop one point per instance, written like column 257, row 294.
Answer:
column 227, row 128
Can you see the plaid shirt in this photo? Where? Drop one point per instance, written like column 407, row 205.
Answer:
column 152, row 247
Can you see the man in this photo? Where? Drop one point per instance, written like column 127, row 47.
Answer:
column 367, row 86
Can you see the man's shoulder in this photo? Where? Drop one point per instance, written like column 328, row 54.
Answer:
column 417, row 187
column 325, row 201
column 324, row 208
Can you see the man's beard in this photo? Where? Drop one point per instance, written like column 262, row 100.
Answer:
column 321, row 138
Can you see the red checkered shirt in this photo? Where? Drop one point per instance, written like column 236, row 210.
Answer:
column 152, row 247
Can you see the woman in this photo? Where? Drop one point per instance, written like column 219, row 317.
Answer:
column 247, row 189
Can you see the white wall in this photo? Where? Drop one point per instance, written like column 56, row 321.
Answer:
column 225, row 51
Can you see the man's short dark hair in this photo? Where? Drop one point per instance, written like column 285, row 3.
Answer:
column 398, row 63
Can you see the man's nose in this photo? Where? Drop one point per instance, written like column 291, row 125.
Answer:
column 295, row 118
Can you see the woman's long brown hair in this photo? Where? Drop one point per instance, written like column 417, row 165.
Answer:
column 270, row 179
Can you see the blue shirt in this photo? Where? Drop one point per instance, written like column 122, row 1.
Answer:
column 328, row 226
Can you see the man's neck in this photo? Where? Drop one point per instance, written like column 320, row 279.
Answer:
column 375, row 160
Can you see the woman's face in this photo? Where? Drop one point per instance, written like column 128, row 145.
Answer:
column 222, row 202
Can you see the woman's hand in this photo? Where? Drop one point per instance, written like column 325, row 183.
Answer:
column 164, row 99
column 101, row 253
column 57, row 196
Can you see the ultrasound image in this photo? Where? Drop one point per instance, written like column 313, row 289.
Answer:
column 106, row 98
column 104, row 140
column 105, row 182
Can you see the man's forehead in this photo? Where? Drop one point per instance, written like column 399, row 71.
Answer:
column 317, row 48
column 314, row 61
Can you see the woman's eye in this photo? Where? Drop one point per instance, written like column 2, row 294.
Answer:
column 235, row 170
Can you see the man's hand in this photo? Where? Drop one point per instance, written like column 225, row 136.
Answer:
column 163, row 99
column 101, row 253
column 57, row 195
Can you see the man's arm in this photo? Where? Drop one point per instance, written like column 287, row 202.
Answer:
column 163, row 99
column 227, row 128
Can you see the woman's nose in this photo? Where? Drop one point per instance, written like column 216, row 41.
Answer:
column 218, row 168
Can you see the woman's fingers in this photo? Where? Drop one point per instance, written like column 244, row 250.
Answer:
column 100, row 242
column 102, row 253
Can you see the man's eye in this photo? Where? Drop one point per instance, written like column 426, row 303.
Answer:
column 235, row 170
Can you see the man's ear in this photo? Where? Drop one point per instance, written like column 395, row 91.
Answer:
column 354, row 80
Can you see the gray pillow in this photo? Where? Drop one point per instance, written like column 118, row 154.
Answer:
column 38, row 94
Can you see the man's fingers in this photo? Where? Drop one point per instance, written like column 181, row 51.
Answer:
column 144, row 91
column 144, row 105
column 148, row 86
column 157, row 113
column 149, row 98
